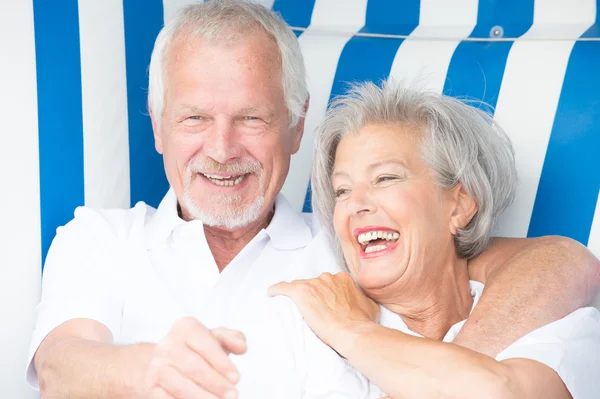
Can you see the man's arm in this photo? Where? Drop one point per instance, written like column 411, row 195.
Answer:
column 79, row 360
column 529, row 283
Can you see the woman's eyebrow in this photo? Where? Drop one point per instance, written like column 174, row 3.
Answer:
column 373, row 166
column 394, row 161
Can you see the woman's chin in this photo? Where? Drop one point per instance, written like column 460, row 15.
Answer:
column 374, row 279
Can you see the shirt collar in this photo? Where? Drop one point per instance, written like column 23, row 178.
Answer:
column 164, row 221
column 288, row 229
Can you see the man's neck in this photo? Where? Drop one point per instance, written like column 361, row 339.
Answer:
column 225, row 245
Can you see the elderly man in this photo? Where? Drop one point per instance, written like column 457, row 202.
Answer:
column 134, row 301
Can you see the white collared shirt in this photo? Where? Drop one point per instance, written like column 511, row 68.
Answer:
column 570, row 346
column 138, row 271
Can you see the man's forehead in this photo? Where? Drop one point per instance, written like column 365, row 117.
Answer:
column 189, row 42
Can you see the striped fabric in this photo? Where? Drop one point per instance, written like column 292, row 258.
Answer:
column 75, row 128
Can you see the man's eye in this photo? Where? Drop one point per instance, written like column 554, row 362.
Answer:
column 251, row 118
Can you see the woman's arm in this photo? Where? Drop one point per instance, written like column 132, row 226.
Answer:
column 404, row 366
column 529, row 283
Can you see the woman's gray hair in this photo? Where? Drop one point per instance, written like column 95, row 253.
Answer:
column 460, row 143
column 221, row 21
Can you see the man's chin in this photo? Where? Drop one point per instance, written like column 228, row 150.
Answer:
column 225, row 215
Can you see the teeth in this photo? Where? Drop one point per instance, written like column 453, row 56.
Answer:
column 215, row 177
column 220, row 181
column 375, row 248
column 364, row 238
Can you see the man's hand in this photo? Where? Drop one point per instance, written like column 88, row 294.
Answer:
column 329, row 304
column 193, row 362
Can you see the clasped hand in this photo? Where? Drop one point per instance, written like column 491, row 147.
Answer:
column 330, row 304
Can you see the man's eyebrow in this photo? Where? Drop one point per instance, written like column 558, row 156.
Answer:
column 256, row 110
column 193, row 108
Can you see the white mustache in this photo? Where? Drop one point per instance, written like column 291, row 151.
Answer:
column 208, row 165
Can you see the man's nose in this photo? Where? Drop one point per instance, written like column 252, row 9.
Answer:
column 221, row 144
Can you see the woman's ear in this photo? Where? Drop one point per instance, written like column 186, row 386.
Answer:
column 465, row 208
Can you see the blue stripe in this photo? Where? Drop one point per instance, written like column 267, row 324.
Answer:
column 370, row 59
column 514, row 16
column 143, row 20
column 59, row 114
column 477, row 68
column 399, row 17
column 476, row 71
column 568, row 189
column 297, row 13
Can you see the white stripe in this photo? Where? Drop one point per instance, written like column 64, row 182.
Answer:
column 104, row 104
column 20, row 237
column 594, row 240
column 526, row 108
column 170, row 7
column 266, row 3
column 561, row 19
column 425, row 63
column 321, row 55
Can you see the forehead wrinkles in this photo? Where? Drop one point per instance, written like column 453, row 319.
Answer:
column 260, row 55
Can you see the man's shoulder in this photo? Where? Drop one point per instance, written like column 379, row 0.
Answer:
column 319, row 256
column 119, row 223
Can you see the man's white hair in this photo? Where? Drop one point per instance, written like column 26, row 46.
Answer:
column 223, row 20
column 460, row 143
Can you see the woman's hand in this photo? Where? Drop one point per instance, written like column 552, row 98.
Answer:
column 330, row 304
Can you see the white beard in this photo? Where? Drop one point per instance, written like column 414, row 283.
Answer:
column 226, row 210
column 228, row 216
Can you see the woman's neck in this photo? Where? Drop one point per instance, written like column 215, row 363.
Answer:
column 432, row 306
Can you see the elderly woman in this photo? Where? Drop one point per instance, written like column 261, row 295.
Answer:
column 412, row 183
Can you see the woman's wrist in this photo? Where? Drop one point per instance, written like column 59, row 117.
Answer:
column 351, row 337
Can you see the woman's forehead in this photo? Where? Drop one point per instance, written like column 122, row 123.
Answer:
column 378, row 141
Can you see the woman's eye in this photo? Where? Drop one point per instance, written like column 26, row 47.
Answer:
column 340, row 192
column 385, row 178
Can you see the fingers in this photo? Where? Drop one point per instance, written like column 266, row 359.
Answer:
column 200, row 340
column 282, row 288
column 193, row 362
column 172, row 384
column 200, row 372
column 324, row 280
column 231, row 340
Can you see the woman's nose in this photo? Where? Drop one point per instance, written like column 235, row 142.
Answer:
column 360, row 202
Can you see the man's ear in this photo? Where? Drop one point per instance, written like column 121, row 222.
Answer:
column 156, row 129
column 464, row 209
column 298, row 130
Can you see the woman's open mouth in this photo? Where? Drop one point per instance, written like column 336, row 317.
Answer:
column 376, row 242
